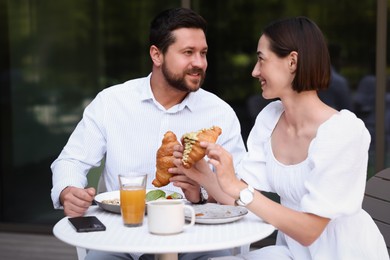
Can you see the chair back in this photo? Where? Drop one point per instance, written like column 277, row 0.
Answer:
column 377, row 202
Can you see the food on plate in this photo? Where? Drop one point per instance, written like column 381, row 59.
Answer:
column 164, row 159
column 162, row 195
column 150, row 195
column 154, row 195
column 192, row 150
column 174, row 196
column 112, row 201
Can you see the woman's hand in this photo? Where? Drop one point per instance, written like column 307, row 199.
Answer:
column 197, row 172
column 222, row 161
column 198, row 175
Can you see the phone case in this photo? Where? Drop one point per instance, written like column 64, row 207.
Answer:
column 87, row 224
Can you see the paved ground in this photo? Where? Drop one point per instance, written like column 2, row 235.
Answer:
column 17, row 246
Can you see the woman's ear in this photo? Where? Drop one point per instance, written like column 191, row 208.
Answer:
column 293, row 61
column 155, row 55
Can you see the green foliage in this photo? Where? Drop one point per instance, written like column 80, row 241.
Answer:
column 63, row 52
column 235, row 27
column 82, row 46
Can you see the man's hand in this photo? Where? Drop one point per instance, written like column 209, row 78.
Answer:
column 190, row 188
column 76, row 201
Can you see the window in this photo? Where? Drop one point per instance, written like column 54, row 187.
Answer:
column 55, row 56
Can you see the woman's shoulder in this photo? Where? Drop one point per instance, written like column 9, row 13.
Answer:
column 266, row 121
column 344, row 119
column 271, row 112
column 343, row 126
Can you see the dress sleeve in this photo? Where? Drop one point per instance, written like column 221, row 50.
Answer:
column 252, row 167
column 338, row 157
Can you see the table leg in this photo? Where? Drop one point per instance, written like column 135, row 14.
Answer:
column 167, row 256
column 81, row 253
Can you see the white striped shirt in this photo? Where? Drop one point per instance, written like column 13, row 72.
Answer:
column 125, row 124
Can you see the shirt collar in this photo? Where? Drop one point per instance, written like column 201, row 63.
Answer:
column 146, row 94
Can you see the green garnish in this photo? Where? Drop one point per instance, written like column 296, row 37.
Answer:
column 175, row 195
column 155, row 194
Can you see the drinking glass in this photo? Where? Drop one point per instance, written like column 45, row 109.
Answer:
column 132, row 198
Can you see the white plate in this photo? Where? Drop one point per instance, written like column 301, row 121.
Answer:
column 110, row 195
column 211, row 213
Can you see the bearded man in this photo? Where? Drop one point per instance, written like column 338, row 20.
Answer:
column 125, row 123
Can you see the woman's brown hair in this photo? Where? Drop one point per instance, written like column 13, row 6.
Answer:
column 302, row 35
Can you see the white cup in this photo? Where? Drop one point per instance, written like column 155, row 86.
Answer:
column 166, row 217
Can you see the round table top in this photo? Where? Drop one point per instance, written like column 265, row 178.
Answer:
column 200, row 237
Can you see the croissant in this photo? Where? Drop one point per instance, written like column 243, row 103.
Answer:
column 192, row 150
column 164, row 159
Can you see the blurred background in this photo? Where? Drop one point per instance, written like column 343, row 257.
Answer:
column 55, row 56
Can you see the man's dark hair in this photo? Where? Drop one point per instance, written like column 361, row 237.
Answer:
column 169, row 20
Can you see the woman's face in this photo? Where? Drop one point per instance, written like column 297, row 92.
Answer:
column 274, row 73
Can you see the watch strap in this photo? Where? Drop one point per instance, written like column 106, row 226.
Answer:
column 203, row 196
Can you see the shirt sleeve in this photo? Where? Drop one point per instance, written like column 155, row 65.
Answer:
column 252, row 168
column 232, row 141
column 84, row 150
column 338, row 157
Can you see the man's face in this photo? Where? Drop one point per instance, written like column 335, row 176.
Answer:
column 185, row 63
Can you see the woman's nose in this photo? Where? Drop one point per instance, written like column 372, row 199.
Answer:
column 256, row 71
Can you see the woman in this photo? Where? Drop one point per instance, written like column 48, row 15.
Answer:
column 313, row 156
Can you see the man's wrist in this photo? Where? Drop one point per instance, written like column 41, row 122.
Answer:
column 61, row 199
column 203, row 196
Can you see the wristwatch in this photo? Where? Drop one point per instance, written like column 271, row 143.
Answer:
column 246, row 196
column 203, row 196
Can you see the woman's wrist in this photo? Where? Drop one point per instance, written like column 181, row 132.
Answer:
column 236, row 188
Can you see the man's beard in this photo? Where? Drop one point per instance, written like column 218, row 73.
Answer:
column 178, row 81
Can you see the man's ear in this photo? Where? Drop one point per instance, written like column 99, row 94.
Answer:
column 155, row 55
column 293, row 61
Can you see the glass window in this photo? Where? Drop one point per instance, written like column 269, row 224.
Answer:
column 234, row 31
column 61, row 54
column 55, row 56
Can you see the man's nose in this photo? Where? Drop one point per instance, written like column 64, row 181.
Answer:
column 199, row 60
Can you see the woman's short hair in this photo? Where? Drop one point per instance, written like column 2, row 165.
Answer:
column 302, row 35
column 172, row 19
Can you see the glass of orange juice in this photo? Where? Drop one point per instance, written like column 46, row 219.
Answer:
column 132, row 198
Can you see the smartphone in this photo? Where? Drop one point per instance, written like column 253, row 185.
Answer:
column 87, row 224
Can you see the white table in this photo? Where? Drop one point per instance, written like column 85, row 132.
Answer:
column 200, row 237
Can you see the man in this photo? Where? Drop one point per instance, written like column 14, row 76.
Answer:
column 126, row 123
column 338, row 93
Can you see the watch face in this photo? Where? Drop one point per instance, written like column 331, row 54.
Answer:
column 204, row 193
column 246, row 196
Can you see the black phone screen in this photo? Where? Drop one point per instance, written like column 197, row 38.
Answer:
column 87, row 224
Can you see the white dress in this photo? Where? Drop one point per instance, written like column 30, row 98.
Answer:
column 330, row 183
